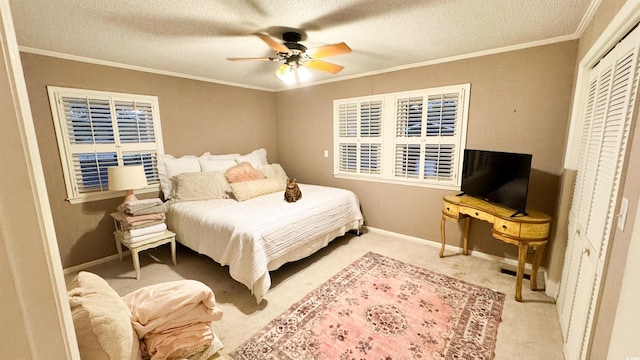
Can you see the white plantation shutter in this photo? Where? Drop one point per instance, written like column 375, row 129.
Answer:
column 412, row 137
column 88, row 121
column 409, row 132
column 348, row 133
column 360, row 137
column 97, row 130
column 90, row 170
column 371, row 137
column 427, row 136
column 348, row 157
column 135, row 121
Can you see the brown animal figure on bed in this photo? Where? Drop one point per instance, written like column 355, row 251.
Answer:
column 292, row 193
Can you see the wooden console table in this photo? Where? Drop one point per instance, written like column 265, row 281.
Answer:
column 521, row 230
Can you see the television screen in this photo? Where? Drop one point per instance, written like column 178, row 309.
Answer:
column 498, row 177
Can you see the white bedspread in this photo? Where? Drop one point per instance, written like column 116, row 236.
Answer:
column 256, row 236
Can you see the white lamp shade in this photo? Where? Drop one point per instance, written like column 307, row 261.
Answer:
column 127, row 177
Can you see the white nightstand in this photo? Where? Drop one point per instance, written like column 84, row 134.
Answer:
column 137, row 246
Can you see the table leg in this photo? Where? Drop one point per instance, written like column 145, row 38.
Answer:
column 173, row 250
column 442, row 236
column 522, row 258
column 536, row 264
column 119, row 247
column 136, row 262
column 465, row 236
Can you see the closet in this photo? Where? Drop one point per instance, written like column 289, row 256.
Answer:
column 606, row 118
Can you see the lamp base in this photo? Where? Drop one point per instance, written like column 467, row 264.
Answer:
column 129, row 197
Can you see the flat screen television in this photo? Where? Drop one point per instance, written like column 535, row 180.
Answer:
column 497, row 177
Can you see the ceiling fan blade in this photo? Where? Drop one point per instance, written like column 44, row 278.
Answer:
column 273, row 44
column 328, row 50
column 254, row 59
column 324, row 66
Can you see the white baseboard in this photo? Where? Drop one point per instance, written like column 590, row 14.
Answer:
column 507, row 263
column 80, row 267
column 552, row 288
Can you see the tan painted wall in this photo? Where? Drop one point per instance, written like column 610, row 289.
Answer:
column 519, row 102
column 196, row 117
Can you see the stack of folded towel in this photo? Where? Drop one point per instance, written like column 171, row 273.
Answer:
column 142, row 219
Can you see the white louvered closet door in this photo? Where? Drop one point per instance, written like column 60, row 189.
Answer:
column 607, row 115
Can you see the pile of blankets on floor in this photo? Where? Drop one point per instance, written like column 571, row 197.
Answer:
column 173, row 320
column 142, row 219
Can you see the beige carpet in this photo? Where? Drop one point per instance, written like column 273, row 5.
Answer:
column 529, row 330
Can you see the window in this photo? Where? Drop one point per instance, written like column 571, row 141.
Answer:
column 414, row 138
column 96, row 130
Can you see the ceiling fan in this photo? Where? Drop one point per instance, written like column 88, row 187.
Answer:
column 297, row 58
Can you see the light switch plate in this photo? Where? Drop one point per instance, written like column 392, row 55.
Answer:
column 622, row 216
column 326, row 153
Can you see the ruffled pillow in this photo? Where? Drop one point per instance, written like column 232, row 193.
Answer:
column 246, row 190
column 242, row 172
column 199, row 186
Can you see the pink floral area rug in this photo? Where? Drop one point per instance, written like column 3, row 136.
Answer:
column 384, row 309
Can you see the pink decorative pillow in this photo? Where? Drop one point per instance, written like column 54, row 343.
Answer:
column 242, row 172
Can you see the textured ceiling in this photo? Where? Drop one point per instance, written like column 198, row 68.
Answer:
column 193, row 38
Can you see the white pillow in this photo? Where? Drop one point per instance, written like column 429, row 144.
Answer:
column 216, row 164
column 210, row 156
column 274, row 171
column 169, row 166
column 256, row 158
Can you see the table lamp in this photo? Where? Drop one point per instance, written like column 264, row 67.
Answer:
column 127, row 178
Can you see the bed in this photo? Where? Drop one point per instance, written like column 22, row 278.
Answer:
column 262, row 232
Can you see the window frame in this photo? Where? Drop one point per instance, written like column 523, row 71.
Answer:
column 389, row 140
column 121, row 149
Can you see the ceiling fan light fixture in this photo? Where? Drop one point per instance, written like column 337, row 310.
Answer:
column 303, row 73
column 293, row 73
column 297, row 59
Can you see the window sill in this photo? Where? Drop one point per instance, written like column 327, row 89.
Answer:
column 397, row 182
column 109, row 195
